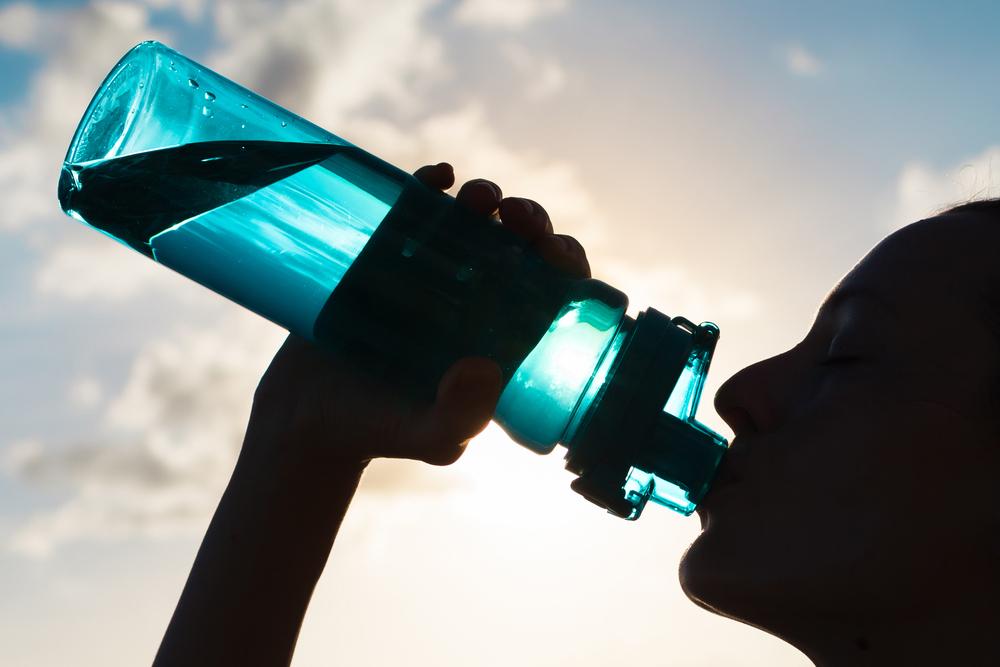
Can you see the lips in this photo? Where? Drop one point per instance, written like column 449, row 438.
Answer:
column 726, row 477
column 729, row 476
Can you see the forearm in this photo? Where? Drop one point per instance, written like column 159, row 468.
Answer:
column 259, row 561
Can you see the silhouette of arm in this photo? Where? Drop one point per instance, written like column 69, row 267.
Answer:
column 315, row 424
column 264, row 550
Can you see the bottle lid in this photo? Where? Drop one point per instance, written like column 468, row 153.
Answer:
column 640, row 440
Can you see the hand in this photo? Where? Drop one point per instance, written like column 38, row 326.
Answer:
column 311, row 404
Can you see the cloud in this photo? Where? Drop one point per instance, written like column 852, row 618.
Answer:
column 675, row 292
column 465, row 137
column 166, row 443
column 191, row 10
column 509, row 14
column 544, row 76
column 923, row 190
column 28, row 173
column 801, row 62
column 326, row 59
column 20, row 26
column 98, row 270
column 80, row 44
column 85, row 392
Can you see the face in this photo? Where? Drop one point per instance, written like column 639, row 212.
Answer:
column 862, row 471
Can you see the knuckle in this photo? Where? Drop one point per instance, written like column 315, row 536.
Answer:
column 516, row 206
column 537, row 209
column 573, row 245
column 482, row 183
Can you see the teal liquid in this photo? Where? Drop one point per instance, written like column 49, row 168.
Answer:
column 275, row 226
column 555, row 385
column 219, row 213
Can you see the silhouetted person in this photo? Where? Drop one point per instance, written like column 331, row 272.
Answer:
column 857, row 515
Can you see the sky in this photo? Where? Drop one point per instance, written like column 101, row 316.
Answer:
column 721, row 161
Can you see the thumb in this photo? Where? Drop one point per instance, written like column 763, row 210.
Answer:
column 466, row 398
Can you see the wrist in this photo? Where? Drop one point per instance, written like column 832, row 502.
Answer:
column 292, row 470
column 281, row 512
column 261, row 557
column 282, row 445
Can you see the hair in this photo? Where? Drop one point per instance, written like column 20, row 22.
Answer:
column 977, row 206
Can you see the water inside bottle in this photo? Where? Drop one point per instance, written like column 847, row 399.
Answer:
column 274, row 226
column 218, row 212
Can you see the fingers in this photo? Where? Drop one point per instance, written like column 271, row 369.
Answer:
column 564, row 252
column 440, row 176
column 466, row 398
column 480, row 196
column 525, row 217
column 529, row 220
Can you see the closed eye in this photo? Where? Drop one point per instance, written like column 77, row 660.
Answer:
column 841, row 360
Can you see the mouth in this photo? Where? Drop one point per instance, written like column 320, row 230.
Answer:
column 729, row 477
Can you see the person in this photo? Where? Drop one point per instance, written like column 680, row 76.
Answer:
column 855, row 516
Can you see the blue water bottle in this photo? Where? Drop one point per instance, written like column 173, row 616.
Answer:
column 346, row 250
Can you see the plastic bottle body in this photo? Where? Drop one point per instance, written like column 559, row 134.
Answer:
column 184, row 187
column 340, row 247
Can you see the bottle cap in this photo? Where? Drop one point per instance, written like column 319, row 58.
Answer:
column 640, row 440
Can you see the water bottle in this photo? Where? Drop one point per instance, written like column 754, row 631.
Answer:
column 346, row 250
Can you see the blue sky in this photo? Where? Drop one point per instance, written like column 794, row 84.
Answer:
column 724, row 161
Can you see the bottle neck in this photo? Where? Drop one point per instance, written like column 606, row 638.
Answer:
column 599, row 381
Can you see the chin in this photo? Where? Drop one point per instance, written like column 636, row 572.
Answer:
column 719, row 572
column 714, row 575
column 700, row 579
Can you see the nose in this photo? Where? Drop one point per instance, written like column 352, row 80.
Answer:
column 747, row 400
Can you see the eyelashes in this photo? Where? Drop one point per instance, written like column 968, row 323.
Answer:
column 846, row 349
column 840, row 360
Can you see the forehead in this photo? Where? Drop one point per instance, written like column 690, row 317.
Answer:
column 944, row 265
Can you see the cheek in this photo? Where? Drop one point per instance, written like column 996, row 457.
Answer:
column 837, row 504
column 806, row 501
column 861, row 450
column 864, row 481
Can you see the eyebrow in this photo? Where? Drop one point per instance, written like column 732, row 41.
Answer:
column 839, row 297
